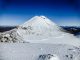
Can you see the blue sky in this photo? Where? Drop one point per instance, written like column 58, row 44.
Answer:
column 62, row 12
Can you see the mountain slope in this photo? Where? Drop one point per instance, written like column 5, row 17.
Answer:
column 40, row 29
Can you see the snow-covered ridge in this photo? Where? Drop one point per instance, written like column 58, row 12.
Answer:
column 39, row 29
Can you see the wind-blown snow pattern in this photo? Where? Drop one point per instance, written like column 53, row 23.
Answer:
column 31, row 51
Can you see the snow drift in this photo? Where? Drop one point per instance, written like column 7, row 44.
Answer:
column 31, row 51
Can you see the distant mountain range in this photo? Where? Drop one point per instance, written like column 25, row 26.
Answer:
column 72, row 29
column 6, row 28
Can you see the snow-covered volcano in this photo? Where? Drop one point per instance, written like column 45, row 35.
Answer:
column 40, row 29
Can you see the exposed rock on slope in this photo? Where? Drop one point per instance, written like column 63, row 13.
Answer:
column 48, row 57
column 10, row 36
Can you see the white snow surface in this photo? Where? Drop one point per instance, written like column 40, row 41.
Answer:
column 30, row 51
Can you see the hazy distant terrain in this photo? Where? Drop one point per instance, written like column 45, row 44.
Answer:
column 6, row 28
column 74, row 30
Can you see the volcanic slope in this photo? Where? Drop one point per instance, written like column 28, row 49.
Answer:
column 40, row 29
